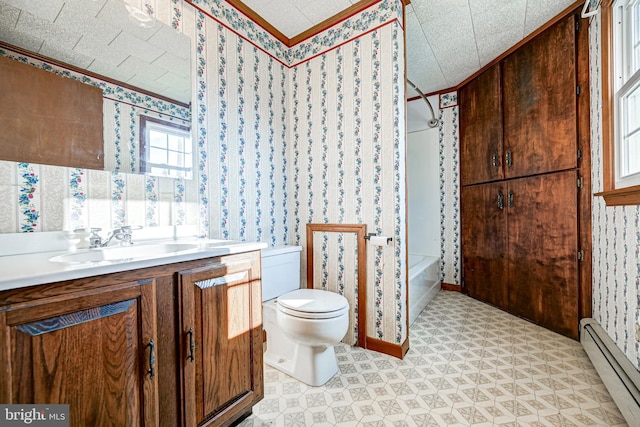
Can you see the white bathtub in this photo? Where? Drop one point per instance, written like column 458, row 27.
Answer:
column 424, row 283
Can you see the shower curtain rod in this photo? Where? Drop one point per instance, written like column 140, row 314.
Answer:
column 433, row 122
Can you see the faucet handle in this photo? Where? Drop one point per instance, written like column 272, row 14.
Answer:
column 125, row 234
column 94, row 239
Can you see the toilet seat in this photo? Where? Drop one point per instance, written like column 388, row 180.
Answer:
column 313, row 304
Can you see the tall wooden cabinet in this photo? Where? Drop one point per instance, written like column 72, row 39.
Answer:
column 521, row 175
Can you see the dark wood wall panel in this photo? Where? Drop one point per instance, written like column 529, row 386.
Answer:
column 49, row 119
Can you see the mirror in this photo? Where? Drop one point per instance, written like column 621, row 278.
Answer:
column 141, row 64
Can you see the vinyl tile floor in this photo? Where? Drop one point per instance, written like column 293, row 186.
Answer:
column 469, row 364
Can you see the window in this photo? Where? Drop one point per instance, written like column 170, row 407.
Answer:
column 165, row 148
column 621, row 96
column 626, row 18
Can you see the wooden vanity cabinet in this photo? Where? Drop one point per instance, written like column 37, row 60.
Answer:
column 115, row 348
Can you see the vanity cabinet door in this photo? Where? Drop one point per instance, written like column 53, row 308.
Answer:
column 221, row 348
column 93, row 352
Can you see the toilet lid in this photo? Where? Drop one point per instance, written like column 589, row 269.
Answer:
column 313, row 304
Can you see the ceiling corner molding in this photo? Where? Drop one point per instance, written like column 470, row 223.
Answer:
column 316, row 29
column 252, row 15
column 334, row 20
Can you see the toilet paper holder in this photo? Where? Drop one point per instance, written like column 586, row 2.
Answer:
column 370, row 235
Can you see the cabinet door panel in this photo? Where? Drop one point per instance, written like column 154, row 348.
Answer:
column 92, row 358
column 539, row 83
column 222, row 305
column 484, row 243
column 480, row 104
column 543, row 247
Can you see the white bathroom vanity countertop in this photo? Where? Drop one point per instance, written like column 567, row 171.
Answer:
column 17, row 271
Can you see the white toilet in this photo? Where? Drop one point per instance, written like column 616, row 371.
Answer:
column 302, row 325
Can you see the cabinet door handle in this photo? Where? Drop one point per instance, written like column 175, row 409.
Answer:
column 192, row 345
column 152, row 359
column 500, row 200
column 494, row 160
column 510, row 198
column 509, row 158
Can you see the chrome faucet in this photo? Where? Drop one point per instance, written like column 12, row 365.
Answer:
column 123, row 234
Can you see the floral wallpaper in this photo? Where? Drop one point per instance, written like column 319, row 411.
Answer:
column 449, row 163
column 616, row 234
column 348, row 146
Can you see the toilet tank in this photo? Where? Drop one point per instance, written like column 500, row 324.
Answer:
column 280, row 271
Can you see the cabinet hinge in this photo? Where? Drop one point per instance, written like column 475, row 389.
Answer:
column 580, row 255
column 580, row 182
column 578, row 91
column 577, row 26
column 579, row 153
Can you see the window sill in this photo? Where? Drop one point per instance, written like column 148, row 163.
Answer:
column 628, row 196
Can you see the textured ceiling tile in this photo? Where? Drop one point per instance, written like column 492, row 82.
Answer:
column 73, row 58
column 256, row 5
column 317, row 12
column 173, row 80
column 136, row 47
column 25, row 41
column 8, row 16
column 115, row 12
column 142, row 81
column 422, row 67
column 141, row 68
column 111, row 70
column 172, row 41
column 290, row 23
column 541, row 11
column 98, row 49
column 449, row 30
column 169, row 62
column 45, row 9
column 84, row 22
column 90, row 8
column 498, row 25
column 38, row 27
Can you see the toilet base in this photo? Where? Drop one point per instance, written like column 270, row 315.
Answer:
column 311, row 365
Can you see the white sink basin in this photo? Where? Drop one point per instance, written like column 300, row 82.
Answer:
column 124, row 253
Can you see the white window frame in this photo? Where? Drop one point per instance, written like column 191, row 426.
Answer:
column 626, row 81
column 166, row 169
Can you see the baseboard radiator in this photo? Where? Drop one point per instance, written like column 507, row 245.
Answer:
column 618, row 374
